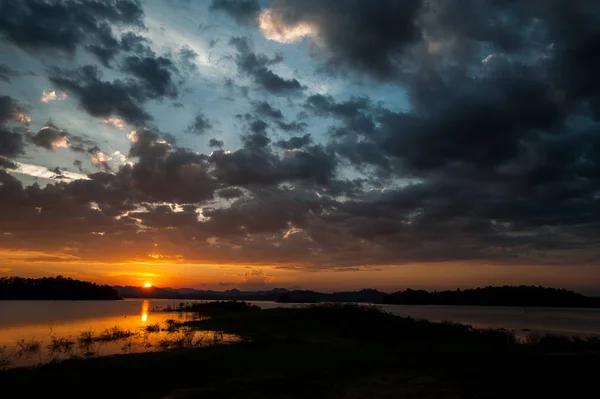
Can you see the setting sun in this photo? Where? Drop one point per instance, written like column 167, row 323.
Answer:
column 147, row 285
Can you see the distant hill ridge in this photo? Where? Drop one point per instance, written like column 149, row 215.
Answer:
column 54, row 288
column 489, row 296
column 365, row 295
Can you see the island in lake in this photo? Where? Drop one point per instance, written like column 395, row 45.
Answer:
column 54, row 288
column 521, row 296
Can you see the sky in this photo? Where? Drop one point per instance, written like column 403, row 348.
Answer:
column 315, row 144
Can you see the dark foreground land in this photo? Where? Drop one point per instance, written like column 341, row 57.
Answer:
column 328, row 352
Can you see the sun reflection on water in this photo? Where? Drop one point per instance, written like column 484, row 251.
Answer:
column 145, row 307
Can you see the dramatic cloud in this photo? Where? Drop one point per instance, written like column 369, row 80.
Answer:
column 52, row 95
column 116, row 123
column 200, row 125
column 266, row 110
column 154, row 73
column 255, row 65
column 50, row 137
column 368, row 36
column 274, row 27
column 12, row 110
column 257, row 164
column 11, row 139
column 459, row 132
column 294, row 142
column 103, row 99
column 11, row 142
column 65, row 24
column 214, row 143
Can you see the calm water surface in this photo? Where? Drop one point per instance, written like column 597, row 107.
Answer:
column 561, row 321
column 41, row 320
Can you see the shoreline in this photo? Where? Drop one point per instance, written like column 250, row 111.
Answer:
column 241, row 321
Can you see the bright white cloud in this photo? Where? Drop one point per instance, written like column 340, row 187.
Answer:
column 60, row 142
column 117, row 123
column 43, row 172
column 133, row 136
column 274, row 28
column 52, row 95
column 119, row 156
column 22, row 118
column 99, row 158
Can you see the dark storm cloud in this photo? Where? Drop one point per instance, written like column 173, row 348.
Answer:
column 11, row 138
column 214, row 143
column 7, row 163
column 107, row 48
column 369, row 36
column 11, row 142
column 503, row 147
column 274, row 83
column 58, row 213
column 243, row 11
column 255, row 66
column 166, row 173
column 258, row 126
column 294, row 126
column 65, row 24
column 294, row 142
column 137, row 44
column 50, row 137
column 355, row 113
column 482, row 124
column 200, row 125
column 256, row 164
column 257, row 140
column 513, row 100
column 495, row 160
column 12, row 110
column 154, row 73
column 265, row 109
column 103, row 99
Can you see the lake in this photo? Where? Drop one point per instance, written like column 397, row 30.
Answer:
column 60, row 327
column 47, row 322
